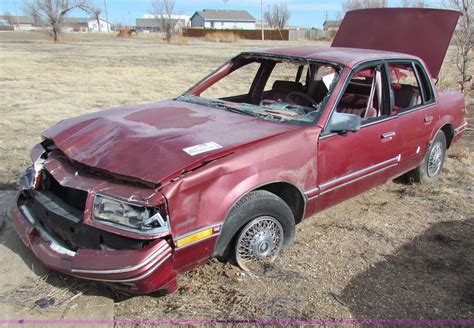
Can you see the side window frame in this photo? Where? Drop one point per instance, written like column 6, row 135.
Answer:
column 386, row 97
column 425, row 83
column 421, row 79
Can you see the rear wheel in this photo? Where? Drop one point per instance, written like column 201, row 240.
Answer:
column 431, row 166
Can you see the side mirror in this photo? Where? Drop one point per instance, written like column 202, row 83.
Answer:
column 342, row 122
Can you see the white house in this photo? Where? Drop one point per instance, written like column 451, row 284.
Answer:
column 223, row 19
column 105, row 26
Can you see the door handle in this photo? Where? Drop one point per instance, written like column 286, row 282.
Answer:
column 388, row 135
column 428, row 119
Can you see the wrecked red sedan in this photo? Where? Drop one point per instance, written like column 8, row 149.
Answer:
column 134, row 196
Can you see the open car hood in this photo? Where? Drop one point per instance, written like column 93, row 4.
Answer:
column 420, row 32
column 157, row 142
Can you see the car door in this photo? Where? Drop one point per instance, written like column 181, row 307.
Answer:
column 414, row 103
column 352, row 162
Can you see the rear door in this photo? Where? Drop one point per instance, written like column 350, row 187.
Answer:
column 353, row 162
column 413, row 100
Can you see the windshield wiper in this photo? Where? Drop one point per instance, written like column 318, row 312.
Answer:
column 238, row 110
column 221, row 104
column 230, row 108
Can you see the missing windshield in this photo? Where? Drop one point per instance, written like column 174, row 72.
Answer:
column 270, row 87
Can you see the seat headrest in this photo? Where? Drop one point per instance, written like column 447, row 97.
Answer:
column 287, row 86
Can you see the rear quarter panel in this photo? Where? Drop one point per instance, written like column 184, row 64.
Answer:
column 451, row 109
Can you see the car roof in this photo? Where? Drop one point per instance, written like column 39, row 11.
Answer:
column 349, row 57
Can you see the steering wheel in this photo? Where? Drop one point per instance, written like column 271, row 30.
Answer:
column 297, row 94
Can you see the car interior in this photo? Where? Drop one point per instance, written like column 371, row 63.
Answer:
column 261, row 81
column 296, row 89
column 405, row 87
column 287, row 82
column 363, row 94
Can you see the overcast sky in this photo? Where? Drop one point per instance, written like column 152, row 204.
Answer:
column 309, row 13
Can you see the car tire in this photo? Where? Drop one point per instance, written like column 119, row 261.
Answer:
column 432, row 164
column 260, row 220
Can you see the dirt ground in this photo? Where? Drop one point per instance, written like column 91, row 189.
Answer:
column 397, row 252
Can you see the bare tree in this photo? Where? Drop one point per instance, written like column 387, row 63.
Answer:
column 277, row 16
column 464, row 38
column 9, row 18
column 164, row 10
column 37, row 19
column 96, row 11
column 54, row 11
column 362, row 4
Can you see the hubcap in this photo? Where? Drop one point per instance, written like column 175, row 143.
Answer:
column 259, row 242
column 435, row 160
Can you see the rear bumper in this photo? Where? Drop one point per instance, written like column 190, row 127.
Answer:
column 139, row 271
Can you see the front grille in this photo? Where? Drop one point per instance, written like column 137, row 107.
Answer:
column 65, row 224
column 73, row 197
column 60, row 210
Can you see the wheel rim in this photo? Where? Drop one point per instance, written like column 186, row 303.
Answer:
column 259, row 242
column 435, row 160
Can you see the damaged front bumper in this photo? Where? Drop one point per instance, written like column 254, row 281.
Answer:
column 138, row 271
column 55, row 223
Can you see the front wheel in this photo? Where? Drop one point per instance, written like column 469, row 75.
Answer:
column 259, row 242
column 431, row 166
column 256, row 230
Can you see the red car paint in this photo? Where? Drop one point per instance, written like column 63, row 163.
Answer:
column 415, row 31
column 135, row 154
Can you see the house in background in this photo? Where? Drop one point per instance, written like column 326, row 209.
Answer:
column 86, row 24
column 76, row 24
column 148, row 25
column 223, row 19
column 330, row 27
column 152, row 23
column 16, row 23
column 105, row 26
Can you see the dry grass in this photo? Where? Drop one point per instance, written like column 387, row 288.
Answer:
column 222, row 37
column 61, row 289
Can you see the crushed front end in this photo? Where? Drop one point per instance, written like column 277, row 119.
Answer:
column 93, row 226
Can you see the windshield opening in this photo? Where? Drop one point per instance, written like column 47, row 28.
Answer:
column 290, row 90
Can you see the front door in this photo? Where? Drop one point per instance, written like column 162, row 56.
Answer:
column 353, row 162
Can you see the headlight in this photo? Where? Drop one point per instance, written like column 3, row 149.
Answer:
column 139, row 218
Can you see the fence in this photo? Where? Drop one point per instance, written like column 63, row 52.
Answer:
column 305, row 34
column 243, row 34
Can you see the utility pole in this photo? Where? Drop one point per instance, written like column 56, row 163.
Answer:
column 106, row 15
column 261, row 20
column 225, row 4
column 129, row 20
column 16, row 14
